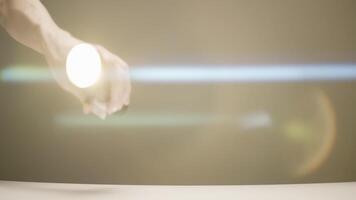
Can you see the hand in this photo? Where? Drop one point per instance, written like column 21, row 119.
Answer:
column 112, row 92
column 109, row 95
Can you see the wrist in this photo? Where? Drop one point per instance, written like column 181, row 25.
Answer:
column 57, row 44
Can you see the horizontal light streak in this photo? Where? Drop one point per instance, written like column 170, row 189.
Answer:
column 207, row 74
column 262, row 73
column 25, row 74
column 137, row 120
column 248, row 121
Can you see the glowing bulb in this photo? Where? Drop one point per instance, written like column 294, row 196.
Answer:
column 83, row 65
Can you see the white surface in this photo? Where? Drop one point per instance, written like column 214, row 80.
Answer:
column 54, row 191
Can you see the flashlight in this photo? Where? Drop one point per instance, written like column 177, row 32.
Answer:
column 84, row 70
column 83, row 65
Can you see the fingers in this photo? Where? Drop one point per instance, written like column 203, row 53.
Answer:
column 127, row 85
column 99, row 109
column 118, row 90
column 96, row 107
column 92, row 105
column 120, row 84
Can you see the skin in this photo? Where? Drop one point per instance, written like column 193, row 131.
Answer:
column 29, row 23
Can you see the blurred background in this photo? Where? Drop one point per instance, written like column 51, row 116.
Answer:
column 182, row 132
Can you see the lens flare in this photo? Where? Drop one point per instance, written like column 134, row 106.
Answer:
column 83, row 65
column 319, row 148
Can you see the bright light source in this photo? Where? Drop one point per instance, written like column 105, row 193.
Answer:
column 83, row 65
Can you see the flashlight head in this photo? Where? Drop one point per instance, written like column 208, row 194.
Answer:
column 83, row 65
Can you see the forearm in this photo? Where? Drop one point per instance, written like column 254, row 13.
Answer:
column 28, row 22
